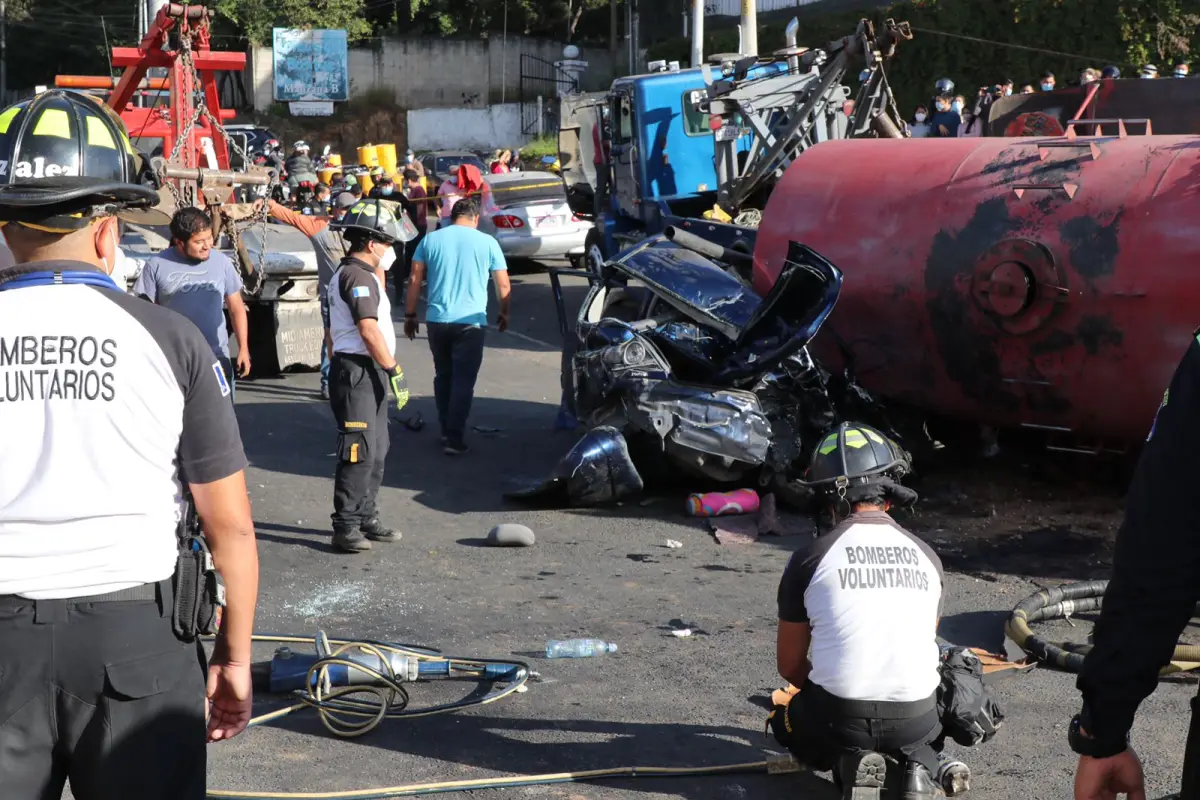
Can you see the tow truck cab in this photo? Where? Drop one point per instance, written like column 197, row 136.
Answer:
column 662, row 155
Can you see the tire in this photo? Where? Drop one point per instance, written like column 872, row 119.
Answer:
column 594, row 255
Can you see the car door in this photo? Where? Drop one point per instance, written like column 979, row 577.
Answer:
column 625, row 155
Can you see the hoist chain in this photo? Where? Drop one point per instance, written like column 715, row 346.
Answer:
column 235, row 228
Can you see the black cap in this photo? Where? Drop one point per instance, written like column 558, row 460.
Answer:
column 1110, row 72
column 64, row 158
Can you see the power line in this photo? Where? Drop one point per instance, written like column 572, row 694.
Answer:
column 1089, row 59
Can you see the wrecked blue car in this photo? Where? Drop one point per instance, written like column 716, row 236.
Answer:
column 675, row 365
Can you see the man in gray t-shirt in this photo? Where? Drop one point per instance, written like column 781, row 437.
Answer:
column 200, row 283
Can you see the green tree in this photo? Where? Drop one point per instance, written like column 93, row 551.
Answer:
column 255, row 18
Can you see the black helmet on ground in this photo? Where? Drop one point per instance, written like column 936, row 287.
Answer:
column 858, row 463
column 65, row 159
column 372, row 218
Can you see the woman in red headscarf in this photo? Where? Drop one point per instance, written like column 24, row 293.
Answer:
column 468, row 182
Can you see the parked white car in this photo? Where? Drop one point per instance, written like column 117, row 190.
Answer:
column 531, row 218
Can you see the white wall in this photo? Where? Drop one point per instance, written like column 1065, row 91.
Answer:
column 466, row 128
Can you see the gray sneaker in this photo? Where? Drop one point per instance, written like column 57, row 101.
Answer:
column 350, row 540
column 376, row 531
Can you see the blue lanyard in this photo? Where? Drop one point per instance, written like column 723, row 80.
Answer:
column 52, row 278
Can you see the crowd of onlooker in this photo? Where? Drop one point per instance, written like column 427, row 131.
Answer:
column 952, row 116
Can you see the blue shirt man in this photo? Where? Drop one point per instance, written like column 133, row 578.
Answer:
column 191, row 278
column 458, row 261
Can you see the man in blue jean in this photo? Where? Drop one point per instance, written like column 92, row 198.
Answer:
column 458, row 260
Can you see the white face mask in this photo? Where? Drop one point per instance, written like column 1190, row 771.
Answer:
column 388, row 259
column 957, row 106
column 919, row 116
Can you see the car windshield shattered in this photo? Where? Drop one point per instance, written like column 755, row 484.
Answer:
column 676, row 365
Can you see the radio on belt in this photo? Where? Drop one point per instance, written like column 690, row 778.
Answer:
column 199, row 589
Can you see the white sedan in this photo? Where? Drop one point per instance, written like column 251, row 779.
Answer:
column 531, row 219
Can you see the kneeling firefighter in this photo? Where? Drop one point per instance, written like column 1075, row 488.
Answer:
column 866, row 597
column 361, row 370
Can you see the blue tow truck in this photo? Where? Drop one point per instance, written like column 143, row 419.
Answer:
column 701, row 148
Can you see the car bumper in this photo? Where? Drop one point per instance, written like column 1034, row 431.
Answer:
column 544, row 245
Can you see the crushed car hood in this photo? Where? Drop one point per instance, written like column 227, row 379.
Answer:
column 769, row 328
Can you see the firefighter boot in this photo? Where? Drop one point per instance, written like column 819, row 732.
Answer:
column 377, row 532
column 953, row 775
column 350, row 540
column 862, row 775
column 918, row 783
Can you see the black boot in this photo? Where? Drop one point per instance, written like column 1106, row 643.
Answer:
column 376, row 532
column 862, row 775
column 918, row 783
column 350, row 540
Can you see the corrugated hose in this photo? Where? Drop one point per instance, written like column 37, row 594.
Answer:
column 1063, row 602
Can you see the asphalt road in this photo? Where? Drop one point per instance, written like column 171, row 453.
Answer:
column 660, row 700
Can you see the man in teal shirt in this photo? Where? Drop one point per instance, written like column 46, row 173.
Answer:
column 458, row 260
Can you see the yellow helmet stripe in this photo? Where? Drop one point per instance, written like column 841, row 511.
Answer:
column 53, row 122
column 7, row 117
column 98, row 133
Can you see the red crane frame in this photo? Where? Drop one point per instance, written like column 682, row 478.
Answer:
column 167, row 123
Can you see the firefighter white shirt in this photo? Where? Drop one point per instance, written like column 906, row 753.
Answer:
column 106, row 403
column 872, row 593
column 355, row 294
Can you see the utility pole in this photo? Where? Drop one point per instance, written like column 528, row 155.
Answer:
column 613, row 33
column 749, row 27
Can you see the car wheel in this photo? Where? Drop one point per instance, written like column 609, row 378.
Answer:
column 594, row 256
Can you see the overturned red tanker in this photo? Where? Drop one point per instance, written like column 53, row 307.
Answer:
column 1044, row 283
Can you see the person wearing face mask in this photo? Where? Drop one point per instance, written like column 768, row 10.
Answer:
column 945, row 119
column 1027, row 89
column 973, row 119
column 384, row 187
column 111, row 406
column 1110, row 73
column 919, row 127
column 329, row 247
column 411, row 162
column 1006, row 88
column 363, row 369
column 1181, row 70
column 1048, row 82
column 1149, row 72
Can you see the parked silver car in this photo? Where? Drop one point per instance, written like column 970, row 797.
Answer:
column 532, row 219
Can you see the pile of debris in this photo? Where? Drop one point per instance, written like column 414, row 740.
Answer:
column 675, row 364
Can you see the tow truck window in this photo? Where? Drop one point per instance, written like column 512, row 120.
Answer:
column 695, row 123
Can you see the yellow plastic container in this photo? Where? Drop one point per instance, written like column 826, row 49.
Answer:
column 386, row 154
column 335, row 159
column 368, row 156
column 328, row 174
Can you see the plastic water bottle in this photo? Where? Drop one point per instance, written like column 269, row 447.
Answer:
column 578, row 648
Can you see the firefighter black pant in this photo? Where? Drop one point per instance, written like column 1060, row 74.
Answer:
column 359, row 397
column 821, row 727
column 102, row 695
column 457, row 356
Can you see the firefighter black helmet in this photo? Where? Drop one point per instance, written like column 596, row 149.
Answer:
column 65, row 158
column 373, row 217
column 854, row 455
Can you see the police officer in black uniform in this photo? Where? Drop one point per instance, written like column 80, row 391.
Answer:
column 107, row 405
column 1152, row 593
column 363, row 367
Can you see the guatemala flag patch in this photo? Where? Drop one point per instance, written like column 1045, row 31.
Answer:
column 221, row 381
column 360, row 291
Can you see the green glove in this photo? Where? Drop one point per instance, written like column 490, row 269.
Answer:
column 399, row 386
